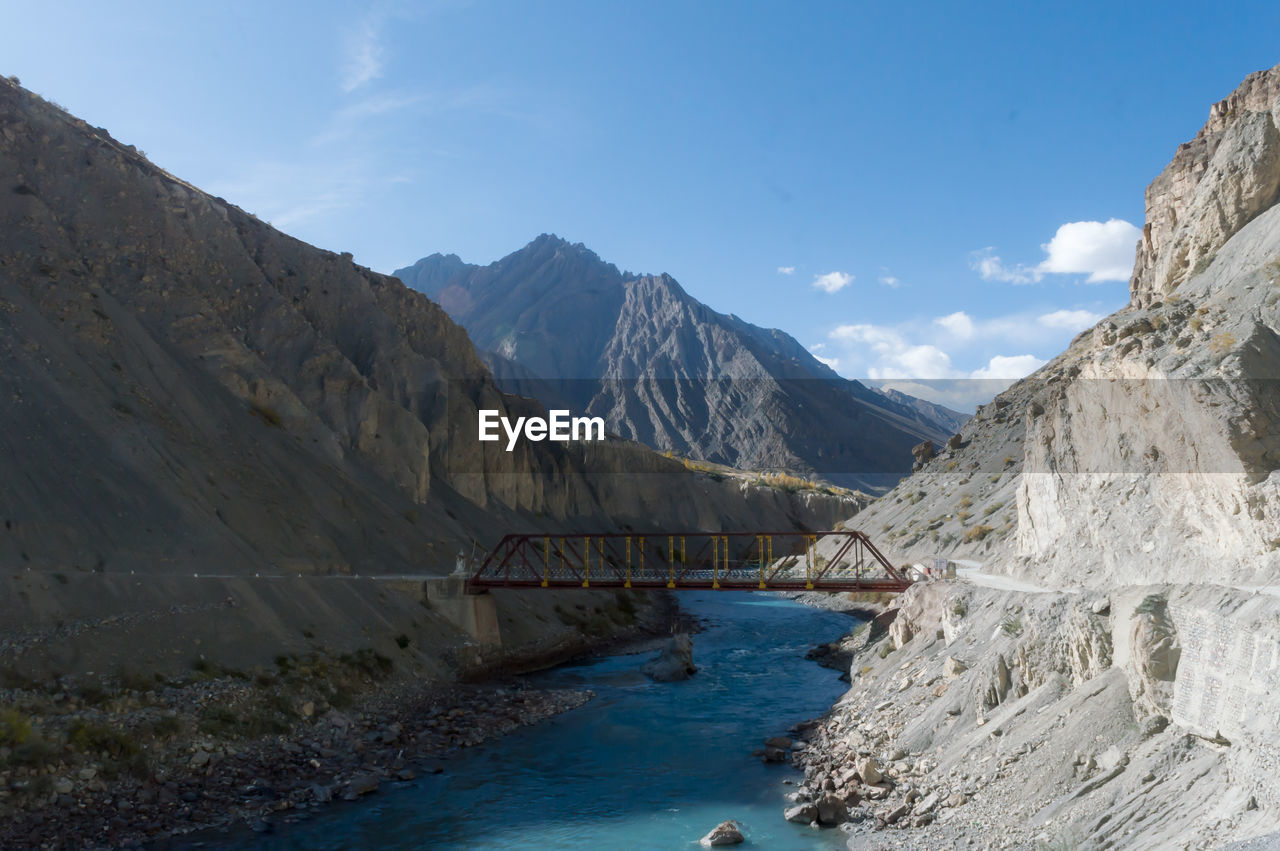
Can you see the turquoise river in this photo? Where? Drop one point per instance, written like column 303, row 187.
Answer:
column 643, row 765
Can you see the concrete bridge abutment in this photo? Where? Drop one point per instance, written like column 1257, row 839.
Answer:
column 474, row 614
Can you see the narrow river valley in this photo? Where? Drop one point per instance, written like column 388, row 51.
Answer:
column 643, row 765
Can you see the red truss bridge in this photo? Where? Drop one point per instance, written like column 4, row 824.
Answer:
column 738, row 561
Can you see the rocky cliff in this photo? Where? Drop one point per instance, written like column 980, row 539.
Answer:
column 668, row 371
column 1148, row 451
column 1137, row 475
column 1217, row 183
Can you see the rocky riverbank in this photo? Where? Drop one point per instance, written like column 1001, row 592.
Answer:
column 137, row 759
column 1003, row 719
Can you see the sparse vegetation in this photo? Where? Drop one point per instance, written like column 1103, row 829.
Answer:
column 15, row 728
column 992, row 509
column 1222, row 342
column 1012, row 625
column 119, row 750
column 977, row 533
column 1202, row 264
column 267, row 414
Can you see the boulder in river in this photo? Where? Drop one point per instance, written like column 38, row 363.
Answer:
column 802, row 813
column 774, row 755
column 674, row 663
column 725, row 833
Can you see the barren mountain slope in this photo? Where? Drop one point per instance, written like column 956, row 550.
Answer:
column 183, row 383
column 190, row 400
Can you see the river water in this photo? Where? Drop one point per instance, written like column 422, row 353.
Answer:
column 643, row 765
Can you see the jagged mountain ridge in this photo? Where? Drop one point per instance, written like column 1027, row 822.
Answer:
column 185, row 388
column 1149, row 450
column 669, row 371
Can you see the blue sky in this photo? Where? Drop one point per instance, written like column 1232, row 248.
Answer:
column 880, row 180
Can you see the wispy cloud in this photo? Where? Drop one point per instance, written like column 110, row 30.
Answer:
column 363, row 53
column 832, row 282
column 955, row 359
column 295, row 194
column 1070, row 320
column 989, row 265
column 890, row 281
column 786, row 270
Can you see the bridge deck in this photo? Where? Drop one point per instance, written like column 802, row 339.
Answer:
column 745, row 561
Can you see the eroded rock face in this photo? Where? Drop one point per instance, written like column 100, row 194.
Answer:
column 1217, row 183
column 1148, row 451
column 1154, row 652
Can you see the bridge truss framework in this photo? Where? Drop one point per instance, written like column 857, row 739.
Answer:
column 740, row 561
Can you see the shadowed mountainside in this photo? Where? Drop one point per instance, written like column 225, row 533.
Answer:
column 182, row 387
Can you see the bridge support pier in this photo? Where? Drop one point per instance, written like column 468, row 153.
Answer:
column 474, row 614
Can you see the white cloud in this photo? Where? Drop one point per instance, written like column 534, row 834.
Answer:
column 992, row 268
column 895, row 356
column 1069, row 320
column 922, row 361
column 834, row 363
column 832, row 282
column 890, row 281
column 1101, row 250
column 875, row 335
column 959, row 324
column 948, row 359
column 786, row 270
column 1012, row 368
column 363, row 55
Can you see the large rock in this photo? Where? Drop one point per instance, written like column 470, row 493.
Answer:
column 1154, row 653
column 869, row 771
column 725, row 833
column 774, row 755
column 360, row 785
column 923, row 452
column 674, row 662
column 832, row 810
column 801, row 813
